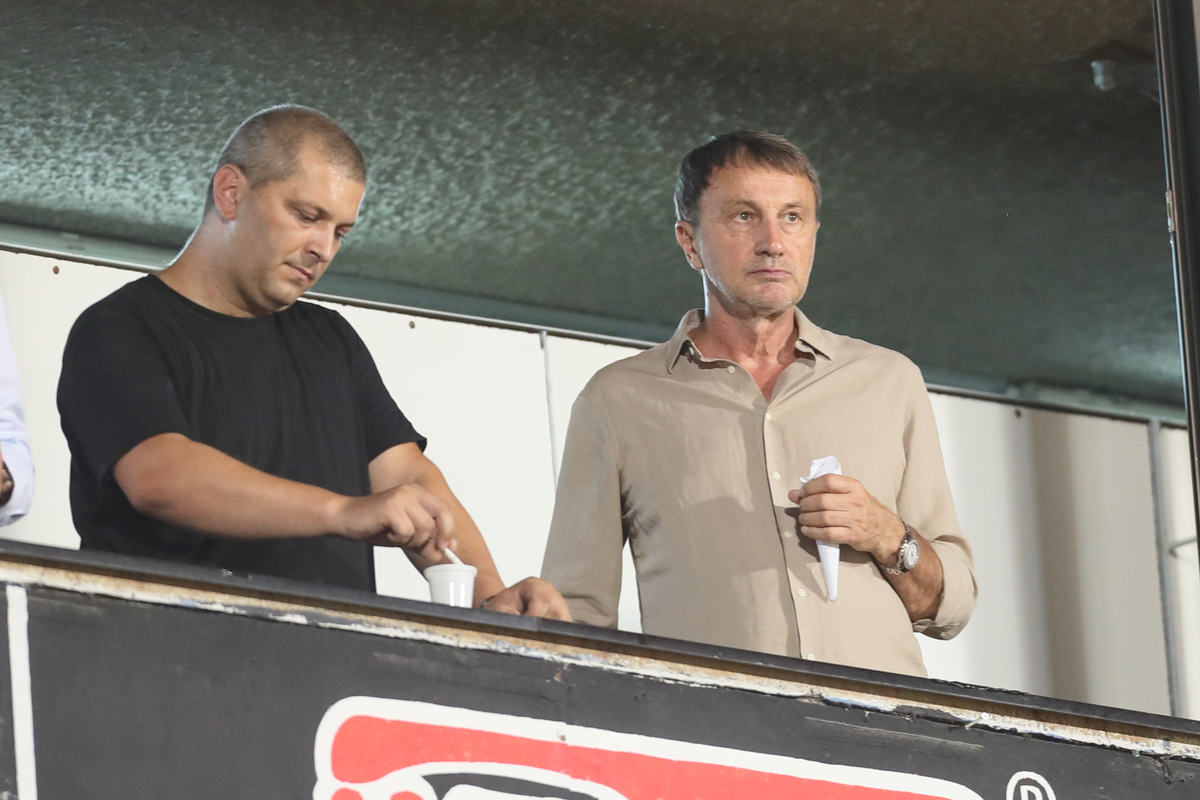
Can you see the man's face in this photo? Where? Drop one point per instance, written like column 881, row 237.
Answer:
column 286, row 233
column 754, row 239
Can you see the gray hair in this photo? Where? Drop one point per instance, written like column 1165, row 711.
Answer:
column 739, row 147
column 266, row 147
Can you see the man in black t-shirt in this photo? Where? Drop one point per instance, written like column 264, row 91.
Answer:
column 213, row 419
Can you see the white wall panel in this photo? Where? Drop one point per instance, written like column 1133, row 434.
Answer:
column 1058, row 508
column 987, row 451
column 43, row 297
column 1096, row 519
column 479, row 395
column 570, row 365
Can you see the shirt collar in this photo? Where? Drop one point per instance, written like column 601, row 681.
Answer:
column 811, row 338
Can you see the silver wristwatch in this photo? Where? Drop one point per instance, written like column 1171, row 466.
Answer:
column 909, row 554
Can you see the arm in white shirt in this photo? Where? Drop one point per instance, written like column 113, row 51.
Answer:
column 14, row 438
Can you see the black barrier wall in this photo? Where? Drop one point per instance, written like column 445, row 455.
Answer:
column 177, row 685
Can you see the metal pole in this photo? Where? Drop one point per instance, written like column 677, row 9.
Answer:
column 544, row 338
column 1179, row 86
column 1166, row 573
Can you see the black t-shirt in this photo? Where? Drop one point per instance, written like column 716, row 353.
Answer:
column 294, row 394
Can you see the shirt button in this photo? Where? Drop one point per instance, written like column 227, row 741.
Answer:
column 768, row 415
column 787, row 534
column 812, row 657
column 732, row 369
column 802, row 593
column 775, row 475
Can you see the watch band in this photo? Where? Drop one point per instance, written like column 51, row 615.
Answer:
column 908, row 554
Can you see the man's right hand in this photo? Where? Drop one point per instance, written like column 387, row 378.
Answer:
column 182, row 482
column 406, row 516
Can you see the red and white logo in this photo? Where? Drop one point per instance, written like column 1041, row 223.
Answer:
column 371, row 748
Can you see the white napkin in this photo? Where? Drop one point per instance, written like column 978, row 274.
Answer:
column 830, row 554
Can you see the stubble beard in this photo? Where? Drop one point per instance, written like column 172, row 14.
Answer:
column 280, row 290
column 763, row 303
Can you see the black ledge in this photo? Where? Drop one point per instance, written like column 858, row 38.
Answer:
column 336, row 600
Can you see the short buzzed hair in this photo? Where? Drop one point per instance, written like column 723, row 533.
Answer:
column 266, row 147
column 740, row 147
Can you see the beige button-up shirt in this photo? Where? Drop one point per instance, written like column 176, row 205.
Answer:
column 682, row 456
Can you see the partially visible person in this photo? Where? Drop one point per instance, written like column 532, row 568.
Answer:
column 213, row 419
column 16, row 472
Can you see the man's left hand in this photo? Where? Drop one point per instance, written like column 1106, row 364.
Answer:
column 6, row 483
column 532, row 597
column 839, row 510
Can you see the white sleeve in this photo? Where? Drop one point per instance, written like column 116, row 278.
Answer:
column 14, row 438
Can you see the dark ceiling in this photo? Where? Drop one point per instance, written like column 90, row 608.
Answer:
column 989, row 211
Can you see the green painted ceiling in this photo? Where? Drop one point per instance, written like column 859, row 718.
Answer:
column 989, row 211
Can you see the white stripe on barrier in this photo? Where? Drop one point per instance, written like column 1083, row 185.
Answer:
column 22, row 691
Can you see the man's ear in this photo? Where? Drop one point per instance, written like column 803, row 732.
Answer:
column 685, row 234
column 229, row 186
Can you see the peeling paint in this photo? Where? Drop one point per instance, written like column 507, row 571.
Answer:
column 1001, row 718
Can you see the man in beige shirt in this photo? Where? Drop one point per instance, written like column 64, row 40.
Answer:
column 693, row 451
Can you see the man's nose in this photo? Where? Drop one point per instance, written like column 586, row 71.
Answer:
column 324, row 244
column 770, row 239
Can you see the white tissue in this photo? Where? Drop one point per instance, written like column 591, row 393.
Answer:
column 830, row 554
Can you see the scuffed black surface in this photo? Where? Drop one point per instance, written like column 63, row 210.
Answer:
column 989, row 211
column 338, row 601
column 137, row 701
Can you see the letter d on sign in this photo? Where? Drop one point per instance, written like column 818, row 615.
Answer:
column 1029, row 786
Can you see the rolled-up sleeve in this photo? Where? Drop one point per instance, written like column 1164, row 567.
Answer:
column 583, row 553
column 925, row 503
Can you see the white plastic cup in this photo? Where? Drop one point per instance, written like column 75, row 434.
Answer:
column 452, row 584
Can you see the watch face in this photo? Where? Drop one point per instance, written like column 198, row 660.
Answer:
column 909, row 552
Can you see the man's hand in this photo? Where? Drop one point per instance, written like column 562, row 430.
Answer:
column 6, row 483
column 839, row 510
column 532, row 597
column 406, row 516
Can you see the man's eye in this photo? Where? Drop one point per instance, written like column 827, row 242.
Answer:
column 743, row 215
